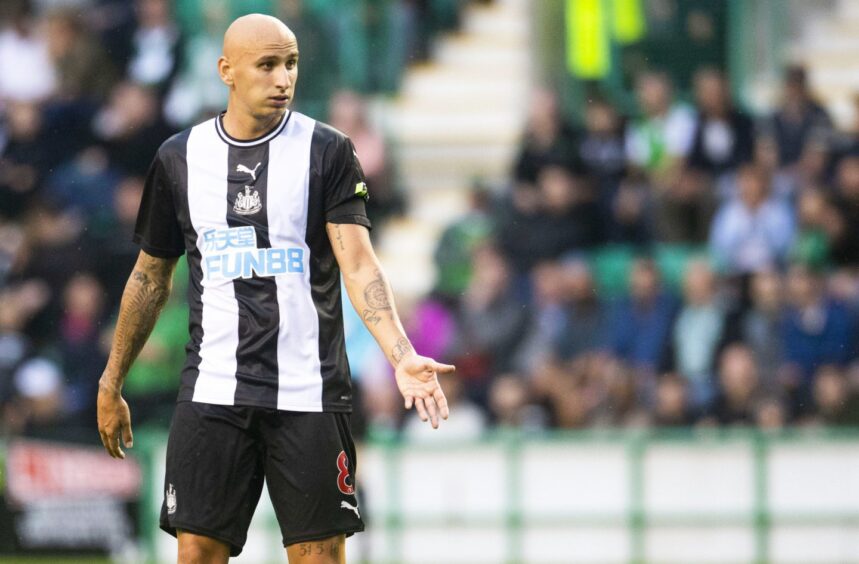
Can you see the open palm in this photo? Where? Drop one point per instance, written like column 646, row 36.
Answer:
column 417, row 379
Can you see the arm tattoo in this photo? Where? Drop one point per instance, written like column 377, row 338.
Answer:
column 401, row 349
column 371, row 316
column 339, row 237
column 145, row 294
column 376, row 296
column 376, row 293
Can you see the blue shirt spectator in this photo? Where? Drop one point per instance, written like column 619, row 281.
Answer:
column 817, row 331
column 640, row 325
column 753, row 232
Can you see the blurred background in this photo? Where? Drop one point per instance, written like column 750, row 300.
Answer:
column 633, row 225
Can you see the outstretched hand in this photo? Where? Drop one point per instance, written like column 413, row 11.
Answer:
column 114, row 420
column 417, row 379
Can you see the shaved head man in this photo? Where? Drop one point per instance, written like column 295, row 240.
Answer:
column 260, row 67
column 267, row 205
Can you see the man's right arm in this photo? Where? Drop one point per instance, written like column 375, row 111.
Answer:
column 145, row 294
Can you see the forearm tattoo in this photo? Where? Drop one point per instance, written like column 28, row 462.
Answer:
column 377, row 299
column 401, row 349
column 145, row 294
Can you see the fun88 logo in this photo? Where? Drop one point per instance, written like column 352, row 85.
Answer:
column 232, row 253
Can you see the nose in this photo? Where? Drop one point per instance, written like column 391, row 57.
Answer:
column 283, row 80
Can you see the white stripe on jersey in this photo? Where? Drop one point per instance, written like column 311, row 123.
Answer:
column 299, row 378
column 207, row 205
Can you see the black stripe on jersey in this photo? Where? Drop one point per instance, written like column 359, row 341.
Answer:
column 325, row 284
column 174, row 152
column 259, row 316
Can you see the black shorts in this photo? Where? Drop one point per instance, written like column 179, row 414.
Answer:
column 218, row 457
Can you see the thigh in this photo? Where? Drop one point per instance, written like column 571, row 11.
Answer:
column 310, row 475
column 214, row 472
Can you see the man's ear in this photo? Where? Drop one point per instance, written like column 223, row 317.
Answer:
column 225, row 70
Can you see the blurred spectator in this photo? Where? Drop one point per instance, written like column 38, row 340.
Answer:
column 53, row 251
column 24, row 159
column 817, row 331
column 39, row 398
column 761, row 326
column 79, row 346
column 799, row 118
column 84, row 184
column 818, row 224
column 23, row 46
column 491, row 321
column 548, row 140
column 612, row 385
column 131, row 128
column 814, row 165
column 601, row 150
column 518, row 226
column 558, row 217
column 662, row 136
column 17, row 306
column 459, row 239
column 547, row 317
column 112, row 235
column 197, row 92
column 508, row 401
column 770, row 414
column 683, row 207
column 155, row 45
column 754, row 231
column 432, row 326
column 698, row 333
column 584, row 323
column 835, row 402
column 640, row 325
column 12, row 246
column 570, row 219
column 629, row 211
column 845, row 224
column 736, row 401
column 671, row 408
column 563, row 388
column 348, row 113
column 85, row 73
column 784, row 182
column 724, row 135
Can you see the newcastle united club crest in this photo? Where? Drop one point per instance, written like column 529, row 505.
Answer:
column 247, row 203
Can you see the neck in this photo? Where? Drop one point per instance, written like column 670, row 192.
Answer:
column 245, row 126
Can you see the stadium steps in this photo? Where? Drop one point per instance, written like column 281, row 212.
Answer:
column 829, row 47
column 456, row 119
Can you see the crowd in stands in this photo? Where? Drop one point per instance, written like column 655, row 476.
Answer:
column 687, row 264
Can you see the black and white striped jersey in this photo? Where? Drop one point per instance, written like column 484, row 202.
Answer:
column 265, row 324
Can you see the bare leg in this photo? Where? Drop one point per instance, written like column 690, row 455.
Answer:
column 197, row 549
column 328, row 551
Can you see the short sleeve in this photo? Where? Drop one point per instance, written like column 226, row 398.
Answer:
column 352, row 210
column 157, row 230
column 343, row 178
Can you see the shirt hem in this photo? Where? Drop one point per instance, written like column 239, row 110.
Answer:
column 315, row 408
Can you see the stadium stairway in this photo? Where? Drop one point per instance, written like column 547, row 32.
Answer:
column 828, row 45
column 455, row 119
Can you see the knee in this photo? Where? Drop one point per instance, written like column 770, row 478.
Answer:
column 196, row 549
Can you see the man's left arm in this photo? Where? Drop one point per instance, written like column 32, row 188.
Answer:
column 371, row 296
